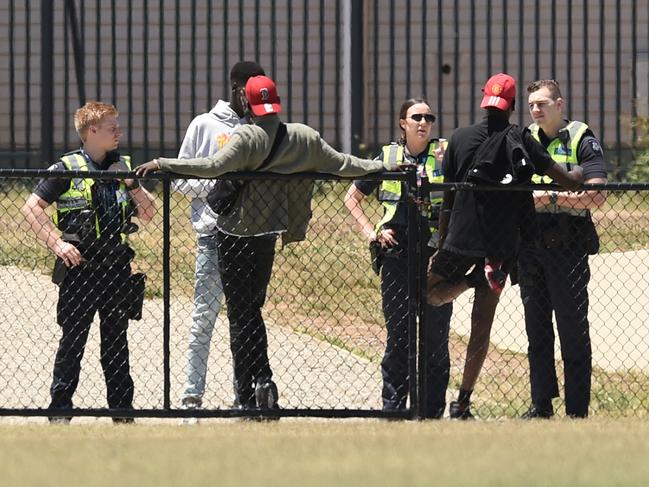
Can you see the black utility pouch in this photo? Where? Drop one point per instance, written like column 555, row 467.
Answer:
column 376, row 256
column 59, row 272
column 587, row 235
column 223, row 195
column 137, row 284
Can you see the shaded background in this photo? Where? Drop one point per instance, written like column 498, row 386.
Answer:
column 342, row 66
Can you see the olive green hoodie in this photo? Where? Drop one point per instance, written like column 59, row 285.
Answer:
column 273, row 206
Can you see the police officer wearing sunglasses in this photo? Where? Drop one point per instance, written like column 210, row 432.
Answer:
column 389, row 236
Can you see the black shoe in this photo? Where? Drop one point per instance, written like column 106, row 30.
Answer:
column 437, row 414
column 577, row 415
column 388, row 409
column 123, row 420
column 458, row 410
column 266, row 398
column 266, row 395
column 62, row 420
column 537, row 411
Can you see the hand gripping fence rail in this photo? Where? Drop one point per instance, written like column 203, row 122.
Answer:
column 214, row 341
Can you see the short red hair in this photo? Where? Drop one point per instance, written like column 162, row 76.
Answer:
column 92, row 113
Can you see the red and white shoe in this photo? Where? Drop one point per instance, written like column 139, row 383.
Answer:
column 496, row 277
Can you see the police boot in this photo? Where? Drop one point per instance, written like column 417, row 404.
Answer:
column 539, row 410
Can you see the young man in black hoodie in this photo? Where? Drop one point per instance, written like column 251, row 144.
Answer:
column 480, row 229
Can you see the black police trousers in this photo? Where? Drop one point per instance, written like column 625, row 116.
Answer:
column 246, row 265
column 556, row 280
column 84, row 292
column 434, row 339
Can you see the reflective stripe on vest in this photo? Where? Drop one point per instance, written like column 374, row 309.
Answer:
column 79, row 195
column 563, row 155
column 390, row 191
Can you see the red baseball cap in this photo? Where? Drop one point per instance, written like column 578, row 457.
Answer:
column 499, row 92
column 261, row 93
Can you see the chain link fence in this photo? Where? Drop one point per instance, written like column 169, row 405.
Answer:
column 323, row 317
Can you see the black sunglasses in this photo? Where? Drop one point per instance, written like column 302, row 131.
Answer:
column 429, row 117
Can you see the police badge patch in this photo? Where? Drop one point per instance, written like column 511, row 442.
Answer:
column 595, row 146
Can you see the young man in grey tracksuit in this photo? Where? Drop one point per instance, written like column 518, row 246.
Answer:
column 207, row 134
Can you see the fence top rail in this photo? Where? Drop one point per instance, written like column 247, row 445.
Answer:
column 260, row 175
column 46, row 173
column 542, row 187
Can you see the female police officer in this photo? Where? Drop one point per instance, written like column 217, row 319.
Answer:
column 414, row 147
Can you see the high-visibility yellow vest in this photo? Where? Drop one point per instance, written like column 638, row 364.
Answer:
column 564, row 154
column 390, row 191
column 79, row 195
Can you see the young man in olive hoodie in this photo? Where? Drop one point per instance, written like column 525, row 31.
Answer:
column 263, row 210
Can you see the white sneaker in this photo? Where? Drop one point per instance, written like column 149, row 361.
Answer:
column 188, row 404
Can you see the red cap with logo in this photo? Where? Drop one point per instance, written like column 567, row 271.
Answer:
column 261, row 93
column 499, row 92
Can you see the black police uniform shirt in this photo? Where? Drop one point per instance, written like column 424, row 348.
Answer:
column 465, row 235
column 591, row 160
column 589, row 154
column 399, row 223
column 104, row 196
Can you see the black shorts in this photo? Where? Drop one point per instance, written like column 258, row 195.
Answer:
column 453, row 267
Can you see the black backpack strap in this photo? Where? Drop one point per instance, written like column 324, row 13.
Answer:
column 225, row 193
column 279, row 137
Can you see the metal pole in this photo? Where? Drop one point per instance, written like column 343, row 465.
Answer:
column 413, row 296
column 166, row 288
column 353, row 75
column 420, row 245
column 47, row 81
column 77, row 49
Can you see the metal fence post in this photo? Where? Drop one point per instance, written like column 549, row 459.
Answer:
column 77, row 48
column 353, row 68
column 423, row 353
column 166, row 289
column 47, row 81
column 357, row 68
column 413, row 293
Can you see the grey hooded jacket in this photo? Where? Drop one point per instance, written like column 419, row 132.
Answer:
column 207, row 134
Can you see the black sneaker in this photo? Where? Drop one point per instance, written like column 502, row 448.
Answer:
column 123, row 420
column 537, row 411
column 496, row 277
column 458, row 410
column 266, row 398
column 62, row 420
column 577, row 415
column 266, row 395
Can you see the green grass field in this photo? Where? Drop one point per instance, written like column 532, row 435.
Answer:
column 337, row 453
